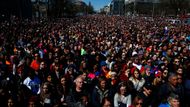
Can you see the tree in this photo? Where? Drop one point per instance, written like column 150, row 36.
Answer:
column 62, row 8
column 90, row 8
column 58, row 7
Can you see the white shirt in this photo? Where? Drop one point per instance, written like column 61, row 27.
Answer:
column 29, row 83
column 138, row 84
column 123, row 99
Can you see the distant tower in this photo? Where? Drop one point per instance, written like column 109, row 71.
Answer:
column 89, row 4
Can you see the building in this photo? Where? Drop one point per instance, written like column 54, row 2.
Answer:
column 118, row 7
column 40, row 8
column 19, row 8
column 106, row 10
column 123, row 7
column 145, row 1
column 145, row 7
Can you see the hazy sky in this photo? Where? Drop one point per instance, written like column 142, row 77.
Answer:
column 97, row 4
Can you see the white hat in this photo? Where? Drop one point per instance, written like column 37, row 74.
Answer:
column 134, row 53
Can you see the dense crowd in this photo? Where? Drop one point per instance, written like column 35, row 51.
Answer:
column 94, row 61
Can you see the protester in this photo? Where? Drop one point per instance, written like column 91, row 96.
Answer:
column 138, row 50
column 47, row 96
column 137, row 102
column 100, row 91
column 170, row 87
column 77, row 93
column 106, row 102
column 122, row 97
column 137, row 79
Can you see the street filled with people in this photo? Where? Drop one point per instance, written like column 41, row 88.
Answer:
column 94, row 61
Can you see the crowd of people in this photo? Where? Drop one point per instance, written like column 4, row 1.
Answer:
column 94, row 61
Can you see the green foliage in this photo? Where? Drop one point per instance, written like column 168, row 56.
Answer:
column 90, row 8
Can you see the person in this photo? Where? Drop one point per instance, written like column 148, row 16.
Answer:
column 70, row 75
column 34, row 102
column 124, row 76
column 35, row 62
column 137, row 102
column 165, row 76
column 63, row 90
column 137, row 80
column 122, row 97
column 11, row 102
column 32, row 82
column 47, row 98
column 75, row 94
column 156, row 84
column 173, row 100
column 56, row 74
column 187, row 89
column 148, row 75
column 175, row 65
column 42, row 72
column 168, row 88
column 86, row 81
column 181, row 89
column 97, row 38
column 146, row 94
column 84, row 102
column 99, row 92
column 106, row 102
